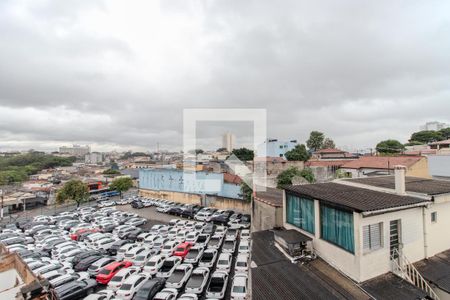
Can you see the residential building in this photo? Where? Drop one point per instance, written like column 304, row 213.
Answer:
column 94, row 158
column 228, row 141
column 434, row 126
column 373, row 226
column 442, row 147
column 275, row 148
column 365, row 166
column 272, row 166
column 332, row 154
column 75, row 150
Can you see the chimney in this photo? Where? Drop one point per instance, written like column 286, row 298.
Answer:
column 400, row 186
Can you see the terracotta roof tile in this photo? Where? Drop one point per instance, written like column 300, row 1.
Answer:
column 382, row 162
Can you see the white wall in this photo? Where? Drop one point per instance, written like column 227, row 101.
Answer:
column 438, row 237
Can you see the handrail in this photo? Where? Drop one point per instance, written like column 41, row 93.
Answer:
column 410, row 273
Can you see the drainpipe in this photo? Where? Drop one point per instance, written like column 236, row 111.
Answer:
column 425, row 231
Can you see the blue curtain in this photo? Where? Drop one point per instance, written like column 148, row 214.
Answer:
column 337, row 227
column 300, row 212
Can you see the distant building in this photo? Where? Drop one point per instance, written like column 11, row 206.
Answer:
column 434, row 126
column 228, row 141
column 94, row 158
column 365, row 166
column 275, row 148
column 75, row 150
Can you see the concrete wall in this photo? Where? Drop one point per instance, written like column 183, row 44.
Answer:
column 437, row 233
column 173, row 196
column 208, row 200
column 228, row 203
column 265, row 216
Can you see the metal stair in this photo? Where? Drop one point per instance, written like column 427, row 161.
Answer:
column 403, row 268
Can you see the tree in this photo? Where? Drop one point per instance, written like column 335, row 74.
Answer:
column 445, row 132
column 413, row 143
column 121, row 184
column 246, row 192
column 315, row 141
column 286, row 177
column 390, row 147
column 74, row 190
column 243, row 154
column 328, row 144
column 298, row 153
column 111, row 172
column 427, row 136
column 221, row 149
column 199, row 151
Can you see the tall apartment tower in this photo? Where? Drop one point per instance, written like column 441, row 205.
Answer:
column 228, row 141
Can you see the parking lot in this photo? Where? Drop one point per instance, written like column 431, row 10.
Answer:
column 119, row 252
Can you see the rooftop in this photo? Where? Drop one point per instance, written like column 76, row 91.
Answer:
column 271, row 196
column 413, row 184
column 445, row 142
column 382, row 162
column 353, row 198
column 326, row 163
column 275, row 277
column 390, row 286
column 436, row 270
column 329, row 150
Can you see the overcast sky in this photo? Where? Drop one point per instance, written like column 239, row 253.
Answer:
column 118, row 74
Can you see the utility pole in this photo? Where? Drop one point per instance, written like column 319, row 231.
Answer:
column 1, row 212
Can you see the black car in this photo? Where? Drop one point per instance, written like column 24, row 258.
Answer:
column 222, row 219
column 51, row 245
column 79, row 257
column 188, row 213
column 85, row 263
column 137, row 204
column 131, row 235
column 175, row 210
column 150, row 289
column 75, row 289
column 116, row 246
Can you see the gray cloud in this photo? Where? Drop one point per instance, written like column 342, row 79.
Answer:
column 118, row 76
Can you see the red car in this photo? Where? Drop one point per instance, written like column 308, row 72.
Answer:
column 108, row 272
column 76, row 235
column 182, row 250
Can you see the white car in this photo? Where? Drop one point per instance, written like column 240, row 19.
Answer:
column 173, row 233
column 179, row 276
column 229, row 246
column 191, row 237
column 98, row 265
column 181, row 236
column 166, row 294
column 245, row 234
column 220, row 230
column 168, row 266
column 208, row 258
column 104, row 244
column 201, row 216
column 217, row 285
column 131, row 286
column 159, row 243
column 154, row 264
column 215, row 241
column 224, row 262
column 241, row 263
column 101, row 295
column 134, row 252
column 141, row 259
column 136, row 222
column 124, row 249
column 169, row 248
column 244, row 246
column 187, row 296
column 202, row 240
column 116, row 282
column 198, row 280
column 239, row 287
column 194, row 255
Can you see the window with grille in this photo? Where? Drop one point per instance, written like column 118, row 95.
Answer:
column 372, row 237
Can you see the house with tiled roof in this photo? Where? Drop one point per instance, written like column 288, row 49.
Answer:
column 378, row 230
column 365, row 166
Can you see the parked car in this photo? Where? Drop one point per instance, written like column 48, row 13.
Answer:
column 224, row 262
column 198, row 280
column 241, row 263
column 166, row 294
column 209, row 258
column 149, row 289
column 75, row 289
column 168, row 266
column 239, row 287
column 154, row 264
column 106, row 273
column 85, row 263
column 194, row 255
column 179, row 276
column 182, row 250
column 98, row 265
column 131, row 286
column 217, row 285
column 119, row 278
